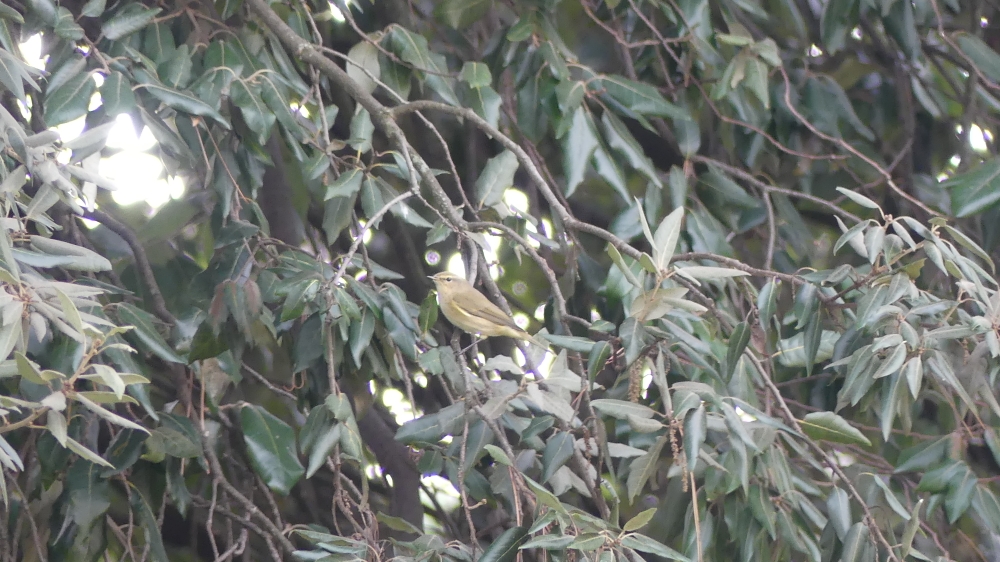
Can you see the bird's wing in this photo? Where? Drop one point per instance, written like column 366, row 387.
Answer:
column 492, row 312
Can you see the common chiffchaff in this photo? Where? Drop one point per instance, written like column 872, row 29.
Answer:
column 470, row 310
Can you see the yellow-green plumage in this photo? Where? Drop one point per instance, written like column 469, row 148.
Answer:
column 471, row 311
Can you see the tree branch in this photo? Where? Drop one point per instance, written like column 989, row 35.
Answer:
column 142, row 266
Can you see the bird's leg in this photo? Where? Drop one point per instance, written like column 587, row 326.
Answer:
column 475, row 340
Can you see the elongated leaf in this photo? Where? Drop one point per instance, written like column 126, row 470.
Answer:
column 665, row 239
column 854, row 543
column 578, row 146
column 150, row 525
column 641, row 98
column 70, row 100
column 709, row 273
column 621, row 409
column 431, row 67
column 829, row 426
column 497, row 176
column 987, row 60
column 642, row 543
column 975, row 190
column 147, row 333
column 642, row 468
column 431, row 428
column 558, row 450
column 694, row 434
column 271, row 445
column 86, row 453
column 131, row 18
column 185, row 102
column 363, row 65
column 108, row 414
column 838, row 507
column 505, row 547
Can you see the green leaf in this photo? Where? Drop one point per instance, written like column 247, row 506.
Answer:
column 150, row 525
column 65, row 27
column 271, row 445
column 557, row 451
column 621, row 409
column 854, row 543
column 505, row 547
column 459, row 14
column 146, row 333
column 792, row 351
column 498, row 455
column 892, row 362
column 812, row 340
column 431, row 68
column 398, row 524
column 694, row 434
column 124, row 451
column 483, row 100
column 361, row 334
column 476, row 74
column 767, row 303
column 899, row 23
column 28, row 370
column 665, row 240
column 362, row 131
column 891, row 498
column 549, row 542
column 640, row 520
column 986, row 59
column 322, row 448
column 976, row 190
column 624, row 143
column 708, row 273
column 185, row 102
column 641, row 98
column 959, row 496
column 635, row 337
column 642, row 543
column 56, row 424
column 70, row 100
column 108, row 414
column 71, row 256
column 89, row 495
column 86, row 453
column 176, row 439
column 431, row 428
column 737, row 343
column 496, row 177
column 906, row 542
column 839, row 18
column 579, row 145
column 6, row 12
column 838, row 507
column 723, row 186
column 11, row 74
column 363, row 65
column 348, row 184
column 93, row 8
column 337, row 216
column 642, row 468
column 828, row 426
column 131, row 18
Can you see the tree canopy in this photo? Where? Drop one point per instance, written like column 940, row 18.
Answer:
column 758, row 235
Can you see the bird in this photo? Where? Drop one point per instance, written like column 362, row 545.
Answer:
column 468, row 309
